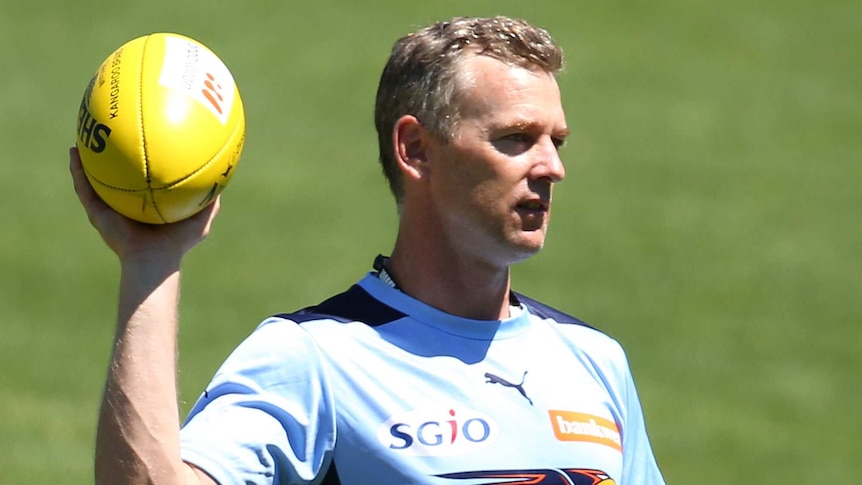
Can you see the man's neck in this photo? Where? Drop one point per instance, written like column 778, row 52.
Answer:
column 451, row 283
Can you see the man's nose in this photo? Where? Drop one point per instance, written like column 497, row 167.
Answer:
column 549, row 164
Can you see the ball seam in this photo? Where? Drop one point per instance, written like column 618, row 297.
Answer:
column 112, row 187
column 238, row 128
column 146, row 157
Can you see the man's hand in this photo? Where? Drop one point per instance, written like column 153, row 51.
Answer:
column 128, row 238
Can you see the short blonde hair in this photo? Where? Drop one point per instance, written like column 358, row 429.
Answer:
column 420, row 77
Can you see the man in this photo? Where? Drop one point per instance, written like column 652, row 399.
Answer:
column 430, row 369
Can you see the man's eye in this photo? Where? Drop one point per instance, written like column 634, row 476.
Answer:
column 520, row 138
column 514, row 143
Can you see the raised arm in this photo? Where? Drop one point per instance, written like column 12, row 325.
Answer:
column 138, row 432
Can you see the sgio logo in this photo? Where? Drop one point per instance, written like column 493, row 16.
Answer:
column 438, row 432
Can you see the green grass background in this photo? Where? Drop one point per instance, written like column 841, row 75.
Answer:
column 709, row 219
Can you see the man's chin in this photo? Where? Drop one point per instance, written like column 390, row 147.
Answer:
column 528, row 246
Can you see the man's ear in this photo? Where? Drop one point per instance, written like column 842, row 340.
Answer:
column 411, row 147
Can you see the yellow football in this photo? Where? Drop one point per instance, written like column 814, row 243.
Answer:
column 160, row 128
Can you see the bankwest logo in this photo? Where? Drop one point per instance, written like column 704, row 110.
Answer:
column 571, row 426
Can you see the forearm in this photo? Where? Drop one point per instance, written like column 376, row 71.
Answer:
column 138, row 436
column 138, row 433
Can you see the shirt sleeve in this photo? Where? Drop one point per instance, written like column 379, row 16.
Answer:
column 639, row 463
column 267, row 417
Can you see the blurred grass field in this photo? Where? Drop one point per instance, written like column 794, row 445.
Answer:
column 708, row 220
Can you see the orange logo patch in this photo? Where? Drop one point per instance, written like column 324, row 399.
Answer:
column 571, row 426
column 211, row 91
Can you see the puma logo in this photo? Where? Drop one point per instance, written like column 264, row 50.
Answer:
column 492, row 379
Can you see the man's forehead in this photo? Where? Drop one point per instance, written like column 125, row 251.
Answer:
column 480, row 73
column 485, row 83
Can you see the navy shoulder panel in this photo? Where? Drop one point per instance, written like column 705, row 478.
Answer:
column 540, row 309
column 331, row 477
column 354, row 305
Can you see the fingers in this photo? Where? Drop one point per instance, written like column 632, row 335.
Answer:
column 202, row 221
column 125, row 236
column 210, row 214
column 79, row 178
column 91, row 201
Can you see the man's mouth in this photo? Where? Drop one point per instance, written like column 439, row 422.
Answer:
column 534, row 205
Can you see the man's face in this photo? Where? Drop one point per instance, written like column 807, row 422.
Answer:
column 492, row 182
